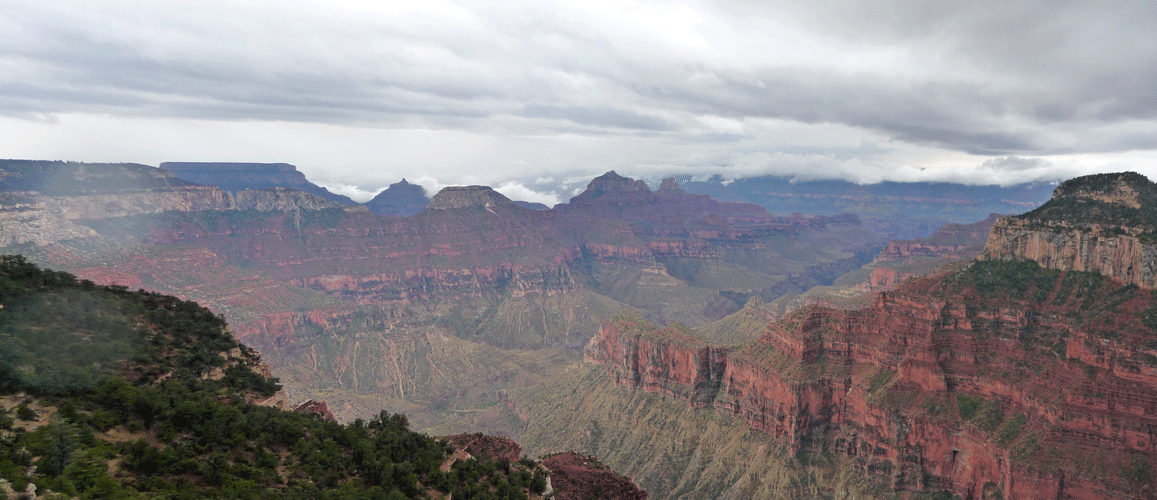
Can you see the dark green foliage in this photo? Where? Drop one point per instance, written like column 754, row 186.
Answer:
column 1149, row 317
column 538, row 483
column 23, row 412
column 1138, row 471
column 1011, row 429
column 990, row 415
column 1013, row 279
column 1081, row 203
column 968, row 405
column 55, row 447
column 881, row 379
column 60, row 336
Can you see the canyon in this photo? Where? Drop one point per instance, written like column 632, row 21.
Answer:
column 1004, row 377
column 436, row 314
column 747, row 354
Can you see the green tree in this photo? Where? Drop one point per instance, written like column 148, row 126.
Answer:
column 61, row 441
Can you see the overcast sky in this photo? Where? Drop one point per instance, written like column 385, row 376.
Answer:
column 537, row 97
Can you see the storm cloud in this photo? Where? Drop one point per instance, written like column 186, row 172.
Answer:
column 362, row 94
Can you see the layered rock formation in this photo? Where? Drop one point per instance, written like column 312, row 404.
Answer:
column 1001, row 379
column 1038, row 382
column 898, row 261
column 1101, row 223
column 426, row 313
column 241, row 176
column 951, row 241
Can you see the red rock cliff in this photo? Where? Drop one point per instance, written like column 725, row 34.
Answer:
column 1000, row 378
column 1098, row 223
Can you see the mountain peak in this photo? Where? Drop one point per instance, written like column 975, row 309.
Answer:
column 669, row 184
column 468, row 196
column 613, row 182
column 401, row 199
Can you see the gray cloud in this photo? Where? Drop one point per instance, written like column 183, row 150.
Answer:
column 888, row 87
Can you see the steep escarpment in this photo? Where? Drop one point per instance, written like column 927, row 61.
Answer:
column 47, row 202
column 998, row 379
column 1104, row 223
column 669, row 360
column 236, row 177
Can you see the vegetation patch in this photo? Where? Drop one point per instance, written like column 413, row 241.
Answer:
column 880, row 379
column 1011, row 429
column 968, row 405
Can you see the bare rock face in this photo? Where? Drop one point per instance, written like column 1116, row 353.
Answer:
column 998, row 379
column 485, row 446
column 317, row 408
column 668, row 360
column 578, row 477
column 612, row 182
column 1121, row 256
column 1103, row 223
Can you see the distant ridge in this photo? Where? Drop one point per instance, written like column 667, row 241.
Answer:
column 901, row 210
column 240, row 176
column 401, row 199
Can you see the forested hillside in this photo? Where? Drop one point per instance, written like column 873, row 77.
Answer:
column 110, row 393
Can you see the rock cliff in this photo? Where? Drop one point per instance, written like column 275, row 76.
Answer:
column 1001, row 377
column 1104, row 223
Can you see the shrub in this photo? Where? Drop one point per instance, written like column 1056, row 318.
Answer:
column 23, row 412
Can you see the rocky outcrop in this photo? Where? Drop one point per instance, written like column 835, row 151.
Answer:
column 578, row 477
column 1099, row 223
column 401, row 199
column 486, row 446
column 469, row 197
column 1002, row 377
column 56, row 178
column 668, row 360
column 316, row 408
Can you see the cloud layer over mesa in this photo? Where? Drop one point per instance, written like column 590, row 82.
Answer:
column 361, row 94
